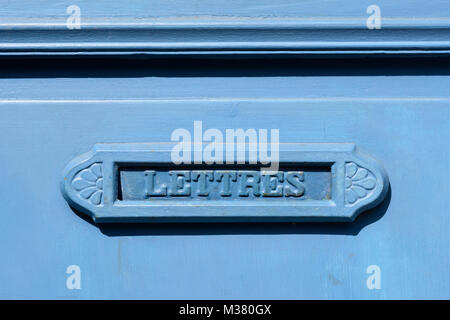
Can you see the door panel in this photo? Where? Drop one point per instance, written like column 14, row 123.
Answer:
column 395, row 110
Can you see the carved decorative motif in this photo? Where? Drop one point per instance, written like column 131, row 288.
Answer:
column 89, row 184
column 359, row 183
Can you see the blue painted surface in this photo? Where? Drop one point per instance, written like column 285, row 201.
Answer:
column 40, row 235
column 53, row 110
column 258, row 8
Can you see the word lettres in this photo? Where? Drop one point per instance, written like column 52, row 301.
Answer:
column 226, row 183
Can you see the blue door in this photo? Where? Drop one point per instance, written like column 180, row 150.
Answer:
column 232, row 150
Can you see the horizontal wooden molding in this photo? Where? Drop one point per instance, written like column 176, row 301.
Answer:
column 226, row 36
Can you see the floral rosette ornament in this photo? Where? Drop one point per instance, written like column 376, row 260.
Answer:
column 89, row 183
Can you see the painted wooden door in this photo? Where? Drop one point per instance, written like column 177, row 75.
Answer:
column 95, row 95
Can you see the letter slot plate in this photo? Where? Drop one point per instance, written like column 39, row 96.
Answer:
column 137, row 182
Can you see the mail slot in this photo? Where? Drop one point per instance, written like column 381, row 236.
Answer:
column 277, row 151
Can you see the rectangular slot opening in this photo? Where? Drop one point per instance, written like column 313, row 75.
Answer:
column 162, row 182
